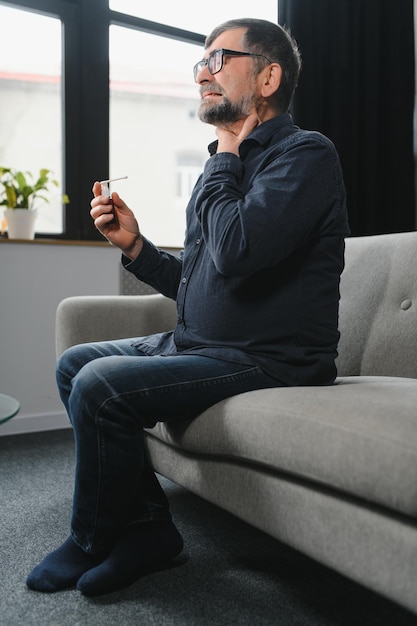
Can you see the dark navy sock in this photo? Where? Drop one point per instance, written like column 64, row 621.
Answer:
column 141, row 548
column 62, row 568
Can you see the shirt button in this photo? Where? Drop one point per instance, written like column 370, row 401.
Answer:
column 406, row 304
column 198, row 241
column 184, row 280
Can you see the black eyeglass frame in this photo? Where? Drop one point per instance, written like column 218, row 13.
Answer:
column 198, row 67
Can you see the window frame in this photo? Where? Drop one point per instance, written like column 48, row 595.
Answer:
column 85, row 75
column 67, row 12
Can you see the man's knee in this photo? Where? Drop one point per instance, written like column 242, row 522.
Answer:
column 65, row 366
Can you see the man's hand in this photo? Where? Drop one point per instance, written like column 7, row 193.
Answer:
column 231, row 137
column 113, row 218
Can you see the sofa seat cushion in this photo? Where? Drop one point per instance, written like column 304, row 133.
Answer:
column 354, row 436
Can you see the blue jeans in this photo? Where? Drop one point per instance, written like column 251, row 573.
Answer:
column 111, row 392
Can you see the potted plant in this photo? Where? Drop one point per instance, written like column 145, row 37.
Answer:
column 18, row 193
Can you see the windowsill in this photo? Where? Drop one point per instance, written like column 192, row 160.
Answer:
column 39, row 241
column 55, row 242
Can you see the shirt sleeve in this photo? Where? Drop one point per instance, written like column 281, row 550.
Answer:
column 253, row 220
column 156, row 268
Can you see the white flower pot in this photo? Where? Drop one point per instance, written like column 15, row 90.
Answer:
column 20, row 223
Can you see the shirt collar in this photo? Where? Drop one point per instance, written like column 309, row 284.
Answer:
column 261, row 134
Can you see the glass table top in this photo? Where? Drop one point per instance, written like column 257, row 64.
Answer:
column 8, row 407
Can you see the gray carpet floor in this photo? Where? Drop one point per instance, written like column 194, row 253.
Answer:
column 230, row 573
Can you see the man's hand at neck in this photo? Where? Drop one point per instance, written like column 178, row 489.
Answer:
column 230, row 137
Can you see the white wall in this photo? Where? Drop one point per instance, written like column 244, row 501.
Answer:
column 34, row 278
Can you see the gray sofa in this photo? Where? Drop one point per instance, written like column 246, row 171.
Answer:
column 331, row 471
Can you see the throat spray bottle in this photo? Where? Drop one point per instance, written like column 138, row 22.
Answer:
column 105, row 191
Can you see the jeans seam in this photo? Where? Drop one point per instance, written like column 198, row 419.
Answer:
column 203, row 382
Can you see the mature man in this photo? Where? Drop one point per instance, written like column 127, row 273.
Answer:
column 257, row 291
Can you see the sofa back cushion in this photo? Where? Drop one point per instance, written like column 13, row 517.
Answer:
column 378, row 307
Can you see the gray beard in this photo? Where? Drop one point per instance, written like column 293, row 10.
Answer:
column 225, row 112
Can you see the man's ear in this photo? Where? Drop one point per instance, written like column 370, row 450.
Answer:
column 271, row 79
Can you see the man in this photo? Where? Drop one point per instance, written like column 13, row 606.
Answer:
column 257, row 291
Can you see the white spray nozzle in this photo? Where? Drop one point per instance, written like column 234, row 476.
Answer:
column 105, row 189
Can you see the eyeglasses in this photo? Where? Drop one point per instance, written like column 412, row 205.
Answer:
column 215, row 60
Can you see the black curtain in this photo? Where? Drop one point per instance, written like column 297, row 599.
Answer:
column 357, row 87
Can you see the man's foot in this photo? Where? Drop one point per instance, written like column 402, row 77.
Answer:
column 142, row 547
column 62, row 568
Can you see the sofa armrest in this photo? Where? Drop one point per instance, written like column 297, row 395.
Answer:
column 80, row 319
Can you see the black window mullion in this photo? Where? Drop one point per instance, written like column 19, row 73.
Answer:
column 155, row 28
column 94, row 105
column 72, row 141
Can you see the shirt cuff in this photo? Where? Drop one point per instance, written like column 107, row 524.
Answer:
column 221, row 163
column 146, row 262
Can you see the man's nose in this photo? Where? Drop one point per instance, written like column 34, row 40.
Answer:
column 203, row 76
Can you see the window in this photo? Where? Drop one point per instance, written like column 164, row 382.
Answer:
column 31, row 101
column 188, row 170
column 153, row 105
column 182, row 13
column 153, row 111
column 112, row 91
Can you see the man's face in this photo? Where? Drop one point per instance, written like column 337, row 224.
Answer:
column 231, row 94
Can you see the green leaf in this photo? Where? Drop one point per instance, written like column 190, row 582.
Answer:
column 18, row 191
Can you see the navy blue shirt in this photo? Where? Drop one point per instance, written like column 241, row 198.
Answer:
column 258, row 279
